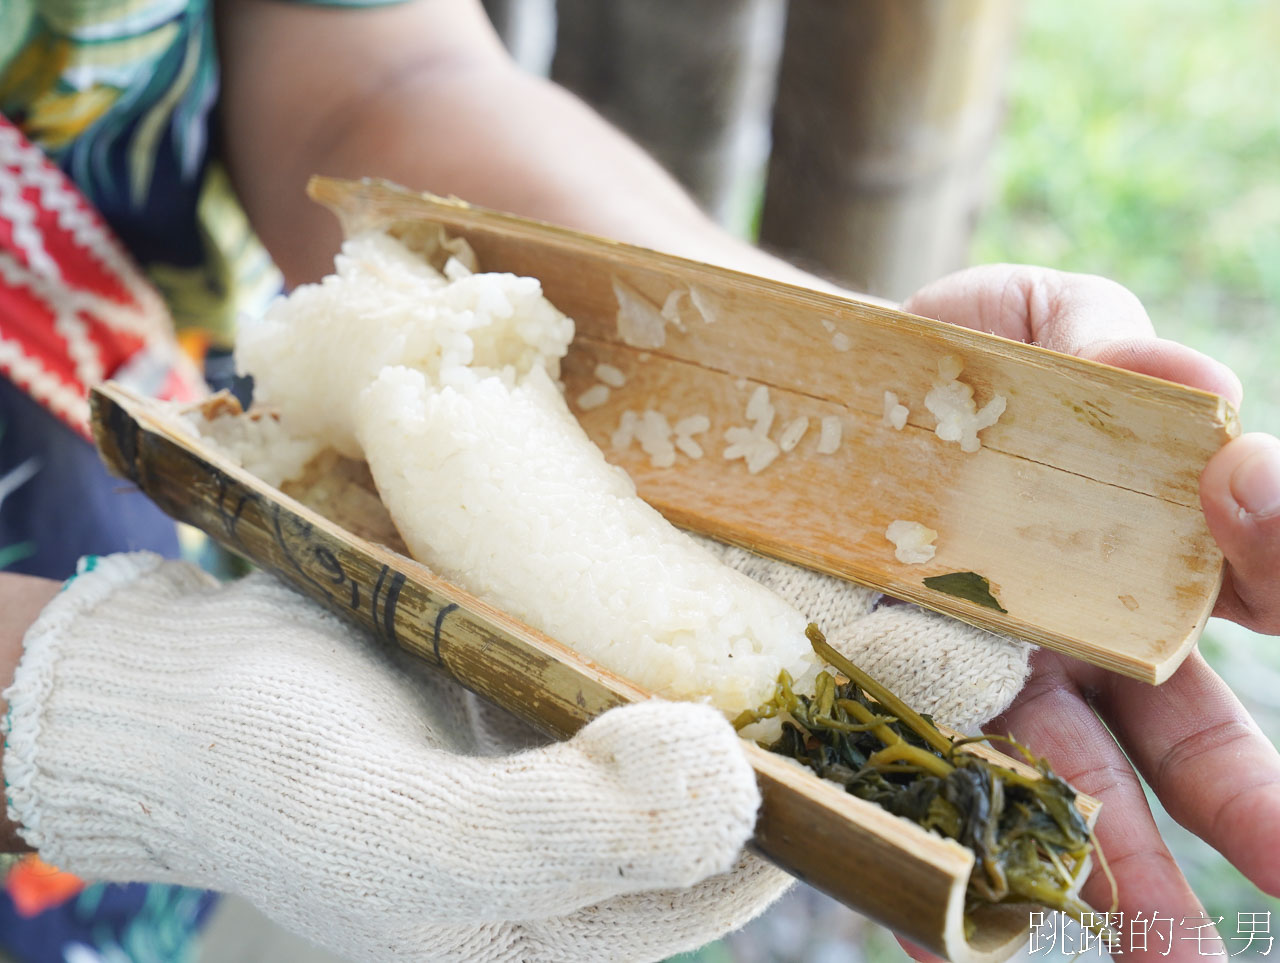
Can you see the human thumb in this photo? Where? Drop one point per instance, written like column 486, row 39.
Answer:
column 1240, row 494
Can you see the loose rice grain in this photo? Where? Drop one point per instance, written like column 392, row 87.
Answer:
column 593, row 397
column 610, row 375
column 829, row 435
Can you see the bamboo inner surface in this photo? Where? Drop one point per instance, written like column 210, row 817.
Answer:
column 1080, row 509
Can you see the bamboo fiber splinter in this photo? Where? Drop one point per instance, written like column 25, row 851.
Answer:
column 1081, row 509
column 888, row 868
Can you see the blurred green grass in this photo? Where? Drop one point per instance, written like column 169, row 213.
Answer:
column 1143, row 143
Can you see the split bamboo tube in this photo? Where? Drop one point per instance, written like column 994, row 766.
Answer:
column 885, row 867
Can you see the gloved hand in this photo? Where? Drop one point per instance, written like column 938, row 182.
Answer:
column 165, row 728
column 961, row 675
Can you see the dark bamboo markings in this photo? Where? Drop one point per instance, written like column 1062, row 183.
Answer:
column 435, row 634
column 230, row 501
column 385, row 625
column 302, row 532
column 338, row 575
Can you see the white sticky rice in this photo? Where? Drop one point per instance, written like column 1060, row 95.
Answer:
column 654, row 434
column 895, row 413
column 314, row 352
column 951, row 402
column 535, row 520
column 792, row 432
column 609, row 375
column 261, row 445
column 829, row 434
column 593, row 397
column 686, row 428
column 641, row 323
column 448, row 390
column 912, row 542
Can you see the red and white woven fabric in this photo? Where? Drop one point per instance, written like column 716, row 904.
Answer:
column 74, row 308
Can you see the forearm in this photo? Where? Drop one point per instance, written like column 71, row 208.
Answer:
column 21, row 600
column 453, row 118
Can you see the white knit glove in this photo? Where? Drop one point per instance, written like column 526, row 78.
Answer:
column 961, row 675
column 164, row 728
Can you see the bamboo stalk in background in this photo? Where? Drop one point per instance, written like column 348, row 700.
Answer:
column 527, row 29
column 691, row 82
column 884, row 118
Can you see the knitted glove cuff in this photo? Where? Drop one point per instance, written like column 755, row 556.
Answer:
column 58, row 693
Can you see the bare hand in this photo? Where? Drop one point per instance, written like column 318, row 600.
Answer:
column 1098, row 319
column 1201, row 753
column 21, row 599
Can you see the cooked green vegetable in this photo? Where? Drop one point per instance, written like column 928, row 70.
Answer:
column 1029, row 840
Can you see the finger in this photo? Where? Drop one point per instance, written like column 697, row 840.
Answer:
column 1168, row 360
column 1080, row 314
column 918, row 953
column 1240, row 494
column 1207, row 761
column 1055, row 309
column 1053, row 718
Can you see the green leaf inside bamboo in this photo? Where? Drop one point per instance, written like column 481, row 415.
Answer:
column 1029, row 840
column 969, row 586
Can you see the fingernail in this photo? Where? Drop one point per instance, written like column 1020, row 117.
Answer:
column 1255, row 483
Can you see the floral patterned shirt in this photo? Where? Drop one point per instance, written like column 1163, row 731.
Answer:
column 120, row 95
